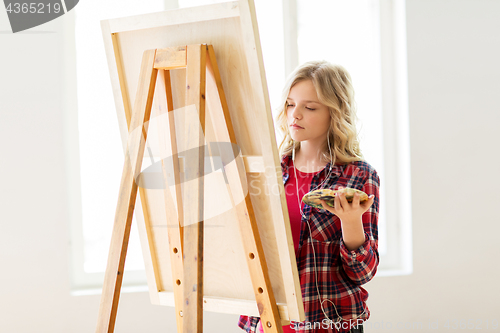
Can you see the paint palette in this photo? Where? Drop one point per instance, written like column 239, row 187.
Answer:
column 313, row 198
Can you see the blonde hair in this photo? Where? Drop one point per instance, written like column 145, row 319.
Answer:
column 334, row 89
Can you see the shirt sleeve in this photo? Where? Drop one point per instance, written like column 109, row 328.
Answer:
column 249, row 324
column 361, row 264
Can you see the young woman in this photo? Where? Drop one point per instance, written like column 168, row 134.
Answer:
column 336, row 247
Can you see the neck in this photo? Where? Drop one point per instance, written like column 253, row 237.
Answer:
column 309, row 157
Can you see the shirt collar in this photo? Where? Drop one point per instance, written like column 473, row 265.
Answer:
column 337, row 169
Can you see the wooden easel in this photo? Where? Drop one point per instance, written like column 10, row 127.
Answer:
column 186, row 242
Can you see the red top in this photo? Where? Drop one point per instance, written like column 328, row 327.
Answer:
column 303, row 185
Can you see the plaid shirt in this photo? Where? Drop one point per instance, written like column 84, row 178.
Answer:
column 340, row 272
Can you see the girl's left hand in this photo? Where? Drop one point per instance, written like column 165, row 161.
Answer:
column 350, row 218
column 349, row 211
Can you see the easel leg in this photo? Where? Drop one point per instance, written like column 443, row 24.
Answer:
column 193, row 193
column 236, row 176
column 175, row 232
column 128, row 193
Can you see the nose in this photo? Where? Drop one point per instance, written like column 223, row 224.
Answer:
column 295, row 112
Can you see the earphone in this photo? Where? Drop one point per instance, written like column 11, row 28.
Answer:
column 339, row 317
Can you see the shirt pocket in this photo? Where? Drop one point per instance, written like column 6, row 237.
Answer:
column 324, row 257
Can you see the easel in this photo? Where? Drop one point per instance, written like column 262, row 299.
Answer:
column 202, row 79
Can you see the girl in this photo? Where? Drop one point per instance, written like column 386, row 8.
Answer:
column 336, row 247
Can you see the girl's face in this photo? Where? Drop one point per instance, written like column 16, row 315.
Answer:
column 307, row 118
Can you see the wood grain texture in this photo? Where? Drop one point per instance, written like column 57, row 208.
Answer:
column 120, row 92
column 193, row 183
column 250, row 37
column 173, row 201
column 236, row 178
column 174, row 17
column 171, row 58
column 226, row 305
column 127, row 195
column 230, row 28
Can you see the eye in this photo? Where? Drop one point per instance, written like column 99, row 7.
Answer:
column 310, row 108
column 290, row 105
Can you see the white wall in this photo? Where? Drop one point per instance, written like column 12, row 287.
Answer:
column 454, row 90
column 37, row 107
column 453, row 52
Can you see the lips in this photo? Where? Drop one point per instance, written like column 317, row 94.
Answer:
column 296, row 126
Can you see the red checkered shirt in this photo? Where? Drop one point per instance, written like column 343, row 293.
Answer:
column 340, row 272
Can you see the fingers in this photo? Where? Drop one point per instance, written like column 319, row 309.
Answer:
column 338, row 204
column 327, row 207
column 371, row 198
column 343, row 207
column 342, row 199
column 355, row 200
column 355, row 204
column 368, row 203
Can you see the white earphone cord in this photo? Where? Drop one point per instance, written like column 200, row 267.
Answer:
column 339, row 317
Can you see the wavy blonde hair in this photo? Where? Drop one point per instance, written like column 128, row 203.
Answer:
column 334, row 89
